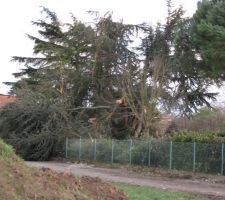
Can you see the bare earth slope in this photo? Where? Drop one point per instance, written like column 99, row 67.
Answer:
column 20, row 182
column 213, row 190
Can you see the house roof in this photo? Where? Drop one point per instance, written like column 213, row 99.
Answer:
column 5, row 99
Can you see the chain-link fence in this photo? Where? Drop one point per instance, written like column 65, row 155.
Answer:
column 196, row 157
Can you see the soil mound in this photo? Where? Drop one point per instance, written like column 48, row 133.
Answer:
column 19, row 182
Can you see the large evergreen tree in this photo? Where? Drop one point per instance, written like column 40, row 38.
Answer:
column 95, row 84
column 209, row 35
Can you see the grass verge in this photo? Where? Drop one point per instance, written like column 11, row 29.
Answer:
column 145, row 193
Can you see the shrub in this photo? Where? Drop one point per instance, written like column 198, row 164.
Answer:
column 207, row 137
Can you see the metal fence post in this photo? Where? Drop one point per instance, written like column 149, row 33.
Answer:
column 222, row 159
column 112, row 151
column 94, row 149
column 66, row 147
column 80, row 149
column 130, row 153
column 194, row 156
column 171, row 153
column 149, row 153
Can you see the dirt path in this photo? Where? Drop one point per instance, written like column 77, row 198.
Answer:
column 125, row 176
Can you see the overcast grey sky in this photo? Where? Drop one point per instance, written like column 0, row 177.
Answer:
column 16, row 15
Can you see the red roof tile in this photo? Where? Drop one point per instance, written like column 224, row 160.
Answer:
column 5, row 99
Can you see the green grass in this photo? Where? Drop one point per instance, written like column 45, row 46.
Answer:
column 146, row 193
column 5, row 150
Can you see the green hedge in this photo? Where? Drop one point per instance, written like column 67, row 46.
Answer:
column 208, row 137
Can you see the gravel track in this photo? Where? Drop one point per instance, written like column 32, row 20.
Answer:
column 216, row 190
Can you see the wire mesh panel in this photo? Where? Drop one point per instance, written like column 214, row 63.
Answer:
column 197, row 157
column 121, row 151
column 140, row 152
column 87, row 149
column 208, row 158
column 223, row 160
column 73, row 148
column 104, row 150
column 182, row 156
column 160, row 156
